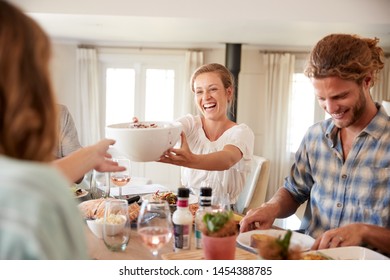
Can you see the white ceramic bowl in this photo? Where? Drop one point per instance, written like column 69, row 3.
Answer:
column 144, row 144
column 97, row 228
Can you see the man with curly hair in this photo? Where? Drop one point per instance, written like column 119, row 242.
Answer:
column 342, row 167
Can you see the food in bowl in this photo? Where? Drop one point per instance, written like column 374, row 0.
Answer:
column 143, row 125
column 115, row 223
column 144, row 141
column 113, row 219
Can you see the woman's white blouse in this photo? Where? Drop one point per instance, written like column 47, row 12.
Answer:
column 232, row 180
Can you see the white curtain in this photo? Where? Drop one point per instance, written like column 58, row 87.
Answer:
column 279, row 70
column 88, row 94
column 381, row 89
column 193, row 60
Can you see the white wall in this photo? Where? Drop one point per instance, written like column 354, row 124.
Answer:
column 250, row 107
column 64, row 75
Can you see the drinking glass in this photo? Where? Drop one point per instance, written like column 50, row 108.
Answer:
column 116, row 225
column 121, row 178
column 220, row 200
column 99, row 185
column 154, row 225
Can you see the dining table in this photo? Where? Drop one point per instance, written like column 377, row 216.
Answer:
column 135, row 250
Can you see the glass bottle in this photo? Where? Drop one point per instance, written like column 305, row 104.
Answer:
column 182, row 221
column 204, row 207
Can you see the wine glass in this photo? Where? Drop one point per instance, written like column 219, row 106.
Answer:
column 121, row 178
column 154, row 224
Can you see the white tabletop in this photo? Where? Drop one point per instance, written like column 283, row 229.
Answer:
column 131, row 189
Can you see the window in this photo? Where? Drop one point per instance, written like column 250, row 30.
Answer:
column 148, row 86
column 120, row 86
column 160, row 89
column 301, row 110
column 304, row 111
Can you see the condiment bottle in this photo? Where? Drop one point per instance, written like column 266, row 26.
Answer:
column 204, row 207
column 182, row 221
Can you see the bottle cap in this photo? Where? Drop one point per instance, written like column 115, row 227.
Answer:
column 183, row 192
column 205, row 191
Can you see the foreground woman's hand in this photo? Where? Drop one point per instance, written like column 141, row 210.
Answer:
column 96, row 156
column 101, row 159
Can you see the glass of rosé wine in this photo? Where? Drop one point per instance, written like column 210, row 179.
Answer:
column 154, row 225
column 121, row 178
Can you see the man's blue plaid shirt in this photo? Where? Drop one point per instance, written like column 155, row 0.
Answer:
column 356, row 190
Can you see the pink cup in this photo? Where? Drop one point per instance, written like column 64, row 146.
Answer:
column 219, row 248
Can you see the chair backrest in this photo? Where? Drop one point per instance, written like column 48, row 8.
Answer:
column 255, row 189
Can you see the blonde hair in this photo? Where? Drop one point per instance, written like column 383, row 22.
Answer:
column 348, row 57
column 226, row 76
column 28, row 116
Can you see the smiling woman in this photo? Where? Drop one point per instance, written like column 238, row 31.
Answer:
column 213, row 148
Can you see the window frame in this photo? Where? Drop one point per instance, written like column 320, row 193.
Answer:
column 141, row 60
column 319, row 113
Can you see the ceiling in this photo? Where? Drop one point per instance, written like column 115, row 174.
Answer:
column 271, row 25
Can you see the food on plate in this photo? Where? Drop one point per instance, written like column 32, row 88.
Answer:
column 276, row 248
column 258, row 238
column 170, row 197
column 237, row 217
column 94, row 209
column 315, row 256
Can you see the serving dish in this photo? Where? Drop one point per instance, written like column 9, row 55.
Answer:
column 144, row 143
column 297, row 239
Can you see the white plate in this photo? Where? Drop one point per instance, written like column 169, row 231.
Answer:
column 302, row 240
column 191, row 200
column 352, row 253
